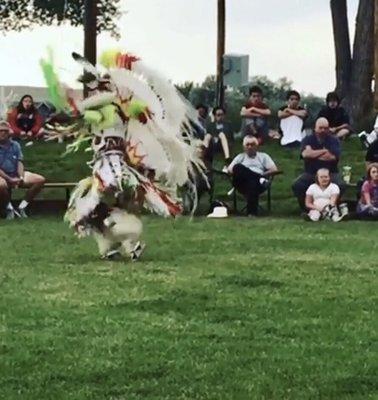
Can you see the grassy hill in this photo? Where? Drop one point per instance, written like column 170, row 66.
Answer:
column 46, row 158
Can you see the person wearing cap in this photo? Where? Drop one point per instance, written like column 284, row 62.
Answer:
column 250, row 171
column 336, row 116
column 13, row 175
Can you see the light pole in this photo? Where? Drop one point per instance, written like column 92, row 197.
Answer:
column 90, row 32
column 221, row 37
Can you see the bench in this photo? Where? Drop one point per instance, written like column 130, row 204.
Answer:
column 68, row 186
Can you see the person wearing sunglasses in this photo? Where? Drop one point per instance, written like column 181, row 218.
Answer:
column 218, row 136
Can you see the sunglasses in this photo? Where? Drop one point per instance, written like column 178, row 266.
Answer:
column 219, row 114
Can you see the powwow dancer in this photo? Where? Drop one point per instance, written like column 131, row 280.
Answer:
column 139, row 129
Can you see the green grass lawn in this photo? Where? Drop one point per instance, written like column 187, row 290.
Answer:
column 269, row 308
column 217, row 309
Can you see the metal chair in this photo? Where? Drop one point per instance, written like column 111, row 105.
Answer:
column 233, row 192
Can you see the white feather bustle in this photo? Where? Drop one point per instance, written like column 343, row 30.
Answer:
column 96, row 100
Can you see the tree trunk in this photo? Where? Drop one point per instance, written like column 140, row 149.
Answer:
column 342, row 46
column 360, row 97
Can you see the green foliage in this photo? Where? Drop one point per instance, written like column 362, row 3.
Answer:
column 21, row 14
column 54, row 88
column 274, row 96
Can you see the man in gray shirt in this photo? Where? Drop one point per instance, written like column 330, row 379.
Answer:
column 249, row 172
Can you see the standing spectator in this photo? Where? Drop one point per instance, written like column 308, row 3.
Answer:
column 250, row 171
column 218, row 135
column 368, row 203
column 25, row 120
column 322, row 199
column 336, row 116
column 291, row 124
column 318, row 150
column 12, row 174
column 255, row 115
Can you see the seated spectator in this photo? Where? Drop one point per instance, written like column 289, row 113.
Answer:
column 254, row 115
column 218, row 135
column 371, row 155
column 291, row 124
column 12, row 174
column 368, row 203
column 322, row 199
column 250, row 171
column 25, row 120
column 336, row 116
column 318, row 150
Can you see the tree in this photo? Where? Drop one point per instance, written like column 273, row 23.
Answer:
column 354, row 71
column 23, row 14
column 342, row 46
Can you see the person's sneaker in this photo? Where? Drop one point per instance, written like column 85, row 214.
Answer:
column 328, row 212
column 137, row 251
column 343, row 207
column 21, row 213
column 335, row 215
column 264, row 182
column 336, row 218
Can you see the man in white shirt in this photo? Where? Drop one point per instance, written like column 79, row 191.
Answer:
column 249, row 172
column 292, row 116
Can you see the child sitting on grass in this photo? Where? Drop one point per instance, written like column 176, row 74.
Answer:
column 368, row 203
column 322, row 198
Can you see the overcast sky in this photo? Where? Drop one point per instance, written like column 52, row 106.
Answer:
column 291, row 38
